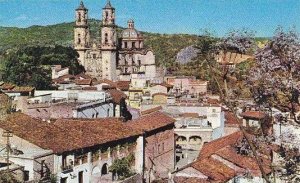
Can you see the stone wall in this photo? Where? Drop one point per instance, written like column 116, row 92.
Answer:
column 159, row 153
column 229, row 129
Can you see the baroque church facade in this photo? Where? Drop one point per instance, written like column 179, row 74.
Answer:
column 115, row 56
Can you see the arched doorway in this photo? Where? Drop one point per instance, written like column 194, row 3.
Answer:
column 104, row 169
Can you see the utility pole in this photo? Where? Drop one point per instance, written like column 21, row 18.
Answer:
column 7, row 134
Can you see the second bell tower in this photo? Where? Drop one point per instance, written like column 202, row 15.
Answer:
column 109, row 43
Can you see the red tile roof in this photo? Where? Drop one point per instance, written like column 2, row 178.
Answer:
column 63, row 79
column 23, row 89
column 97, row 131
column 82, row 75
column 190, row 180
column 190, row 115
column 67, row 134
column 4, row 100
column 231, row 120
column 214, row 169
column 213, row 101
column 213, row 146
column 150, row 122
column 7, row 86
column 117, row 95
column 149, row 111
column 105, row 81
column 253, row 115
column 219, row 170
column 123, row 85
column 83, row 81
column 89, row 88
column 249, row 163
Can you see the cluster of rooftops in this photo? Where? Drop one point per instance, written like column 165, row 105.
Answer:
column 64, row 135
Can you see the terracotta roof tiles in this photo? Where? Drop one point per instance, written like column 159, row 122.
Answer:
column 246, row 162
column 231, row 120
column 83, row 81
column 117, row 95
column 213, row 146
column 7, row 86
column 190, row 180
column 67, row 134
column 105, row 81
column 214, row 169
column 253, row 115
column 149, row 111
column 219, row 170
column 123, row 85
column 151, row 122
column 190, row 115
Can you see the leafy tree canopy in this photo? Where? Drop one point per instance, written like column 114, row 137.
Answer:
column 30, row 66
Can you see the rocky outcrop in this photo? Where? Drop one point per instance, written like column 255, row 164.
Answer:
column 186, row 55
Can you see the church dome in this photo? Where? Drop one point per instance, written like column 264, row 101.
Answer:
column 131, row 32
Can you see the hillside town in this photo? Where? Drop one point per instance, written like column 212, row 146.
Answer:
column 127, row 119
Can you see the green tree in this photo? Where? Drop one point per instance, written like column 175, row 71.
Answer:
column 30, row 66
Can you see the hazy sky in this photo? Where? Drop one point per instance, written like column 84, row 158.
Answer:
column 163, row 16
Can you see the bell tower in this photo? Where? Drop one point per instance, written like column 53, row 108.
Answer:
column 81, row 32
column 109, row 42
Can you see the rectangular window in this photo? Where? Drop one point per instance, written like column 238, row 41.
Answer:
column 64, row 160
column 42, row 168
column 133, row 44
column 125, row 44
column 80, row 177
column 26, row 175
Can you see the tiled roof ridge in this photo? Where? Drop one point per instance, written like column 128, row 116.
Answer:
column 151, row 110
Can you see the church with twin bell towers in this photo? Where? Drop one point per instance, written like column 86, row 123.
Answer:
column 116, row 56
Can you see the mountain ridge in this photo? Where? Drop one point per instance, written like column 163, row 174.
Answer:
column 165, row 46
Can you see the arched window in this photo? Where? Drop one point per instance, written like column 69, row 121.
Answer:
column 106, row 38
column 108, row 112
column 195, row 140
column 135, row 70
column 181, row 139
column 106, row 16
column 79, row 39
column 104, row 169
column 79, row 17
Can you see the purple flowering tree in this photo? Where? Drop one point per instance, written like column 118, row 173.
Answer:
column 274, row 82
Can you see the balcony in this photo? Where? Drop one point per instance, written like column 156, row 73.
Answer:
column 67, row 169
